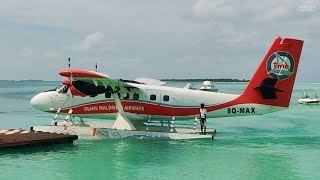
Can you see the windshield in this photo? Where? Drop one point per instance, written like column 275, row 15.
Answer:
column 64, row 89
column 58, row 87
column 55, row 89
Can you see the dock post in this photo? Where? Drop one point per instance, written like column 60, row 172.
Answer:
column 195, row 124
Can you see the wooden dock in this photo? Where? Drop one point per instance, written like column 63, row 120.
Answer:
column 18, row 137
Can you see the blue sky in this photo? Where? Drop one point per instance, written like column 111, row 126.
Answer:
column 157, row 39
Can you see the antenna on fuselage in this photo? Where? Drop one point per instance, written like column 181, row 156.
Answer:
column 96, row 67
column 69, row 63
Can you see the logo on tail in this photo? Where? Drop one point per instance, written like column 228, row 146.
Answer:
column 280, row 65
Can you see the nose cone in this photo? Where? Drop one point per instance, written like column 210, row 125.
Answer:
column 42, row 101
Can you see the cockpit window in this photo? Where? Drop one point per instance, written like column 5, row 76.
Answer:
column 64, row 89
column 55, row 89
column 58, row 87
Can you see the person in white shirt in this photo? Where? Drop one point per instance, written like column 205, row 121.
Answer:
column 203, row 116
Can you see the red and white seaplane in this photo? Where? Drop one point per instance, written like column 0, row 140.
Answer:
column 89, row 94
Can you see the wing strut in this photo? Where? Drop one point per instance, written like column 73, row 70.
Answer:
column 122, row 122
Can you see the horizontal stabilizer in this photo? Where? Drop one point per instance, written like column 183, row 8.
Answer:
column 267, row 89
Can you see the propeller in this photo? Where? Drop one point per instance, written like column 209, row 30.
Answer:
column 68, row 82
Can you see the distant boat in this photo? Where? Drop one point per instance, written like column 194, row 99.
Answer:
column 190, row 86
column 208, row 86
column 306, row 99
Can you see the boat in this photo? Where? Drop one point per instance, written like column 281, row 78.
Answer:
column 306, row 99
column 190, row 86
column 208, row 86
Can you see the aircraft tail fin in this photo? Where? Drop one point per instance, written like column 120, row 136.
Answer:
column 273, row 81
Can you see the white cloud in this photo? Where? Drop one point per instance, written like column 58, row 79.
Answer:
column 60, row 13
column 50, row 54
column 240, row 22
column 90, row 41
column 93, row 39
column 209, row 8
column 158, row 32
column 247, row 11
column 26, row 52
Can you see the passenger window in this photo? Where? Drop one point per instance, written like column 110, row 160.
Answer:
column 125, row 96
column 136, row 96
column 153, row 97
column 108, row 95
column 165, row 98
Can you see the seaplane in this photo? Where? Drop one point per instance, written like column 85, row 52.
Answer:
column 135, row 104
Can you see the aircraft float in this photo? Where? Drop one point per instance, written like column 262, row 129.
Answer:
column 133, row 103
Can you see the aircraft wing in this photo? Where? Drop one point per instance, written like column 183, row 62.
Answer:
column 149, row 81
column 83, row 82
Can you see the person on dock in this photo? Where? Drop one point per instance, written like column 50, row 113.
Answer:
column 203, row 116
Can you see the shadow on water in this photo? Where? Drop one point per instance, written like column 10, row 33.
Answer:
column 34, row 149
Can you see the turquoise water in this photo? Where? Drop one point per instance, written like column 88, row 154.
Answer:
column 282, row 145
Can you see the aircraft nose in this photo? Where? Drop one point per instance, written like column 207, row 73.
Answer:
column 42, row 102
